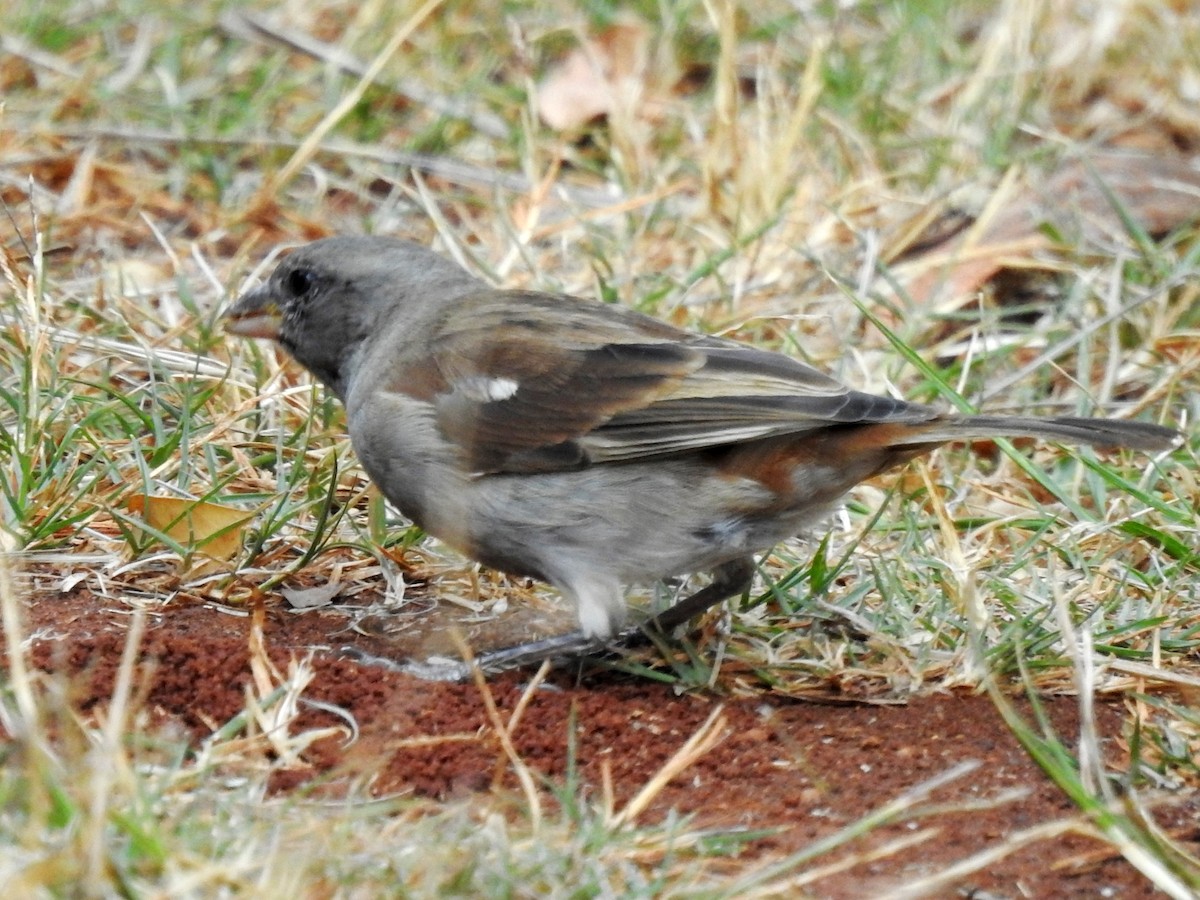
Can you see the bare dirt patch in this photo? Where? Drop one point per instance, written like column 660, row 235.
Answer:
column 797, row 770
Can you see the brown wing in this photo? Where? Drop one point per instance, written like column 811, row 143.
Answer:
column 568, row 383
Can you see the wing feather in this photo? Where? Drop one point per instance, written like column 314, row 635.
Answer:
column 568, row 383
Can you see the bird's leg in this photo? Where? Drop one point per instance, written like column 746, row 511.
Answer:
column 729, row 580
column 572, row 645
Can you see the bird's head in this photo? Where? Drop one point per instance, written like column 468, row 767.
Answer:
column 325, row 300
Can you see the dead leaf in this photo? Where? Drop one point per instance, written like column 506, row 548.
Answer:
column 1087, row 196
column 1086, row 201
column 209, row 528
column 606, row 73
column 311, row 597
column 134, row 277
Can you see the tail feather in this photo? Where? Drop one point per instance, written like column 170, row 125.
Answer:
column 1069, row 429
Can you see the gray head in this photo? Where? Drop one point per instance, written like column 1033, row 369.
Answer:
column 326, row 298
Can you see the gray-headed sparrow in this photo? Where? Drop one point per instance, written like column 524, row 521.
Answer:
column 585, row 444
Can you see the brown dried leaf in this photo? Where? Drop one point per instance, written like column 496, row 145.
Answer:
column 605, row 73
column 135, row 277
column 212, row 529
column 1085, row 201
column 1158, row 192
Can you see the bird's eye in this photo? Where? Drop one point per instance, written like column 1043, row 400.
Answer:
column 299, row 282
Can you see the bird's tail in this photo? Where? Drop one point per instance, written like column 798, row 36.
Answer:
column 1068, row 429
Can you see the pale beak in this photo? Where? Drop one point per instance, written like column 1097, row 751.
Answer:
column 255, row 315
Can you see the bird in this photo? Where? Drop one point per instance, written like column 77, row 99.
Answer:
column 585, row 444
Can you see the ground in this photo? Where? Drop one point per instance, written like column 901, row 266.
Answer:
column 792, row 771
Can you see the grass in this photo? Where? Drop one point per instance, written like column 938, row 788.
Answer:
column 129, row 812
column 770, row 179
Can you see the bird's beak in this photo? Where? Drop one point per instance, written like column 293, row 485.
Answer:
column 255, row 314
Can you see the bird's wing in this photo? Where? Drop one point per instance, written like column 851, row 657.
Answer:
column 566, row 384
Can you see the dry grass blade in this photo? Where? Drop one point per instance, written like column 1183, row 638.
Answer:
column 18, row 666
column 312, row 142
column 254, row 24
column 13, row 44
column 533, row 799
column 777, row 877
column 712, row 732
column 1013, row 843
column 1150, row 672
column 274, row 701
column 454, row 171
column 888, row 849
column 111, row 750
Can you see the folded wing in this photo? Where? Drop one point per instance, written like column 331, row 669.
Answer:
column 569, row 384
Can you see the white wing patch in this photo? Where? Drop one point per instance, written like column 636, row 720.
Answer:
column 488, row 389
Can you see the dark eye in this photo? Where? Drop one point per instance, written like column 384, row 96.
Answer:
column 299, row 282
